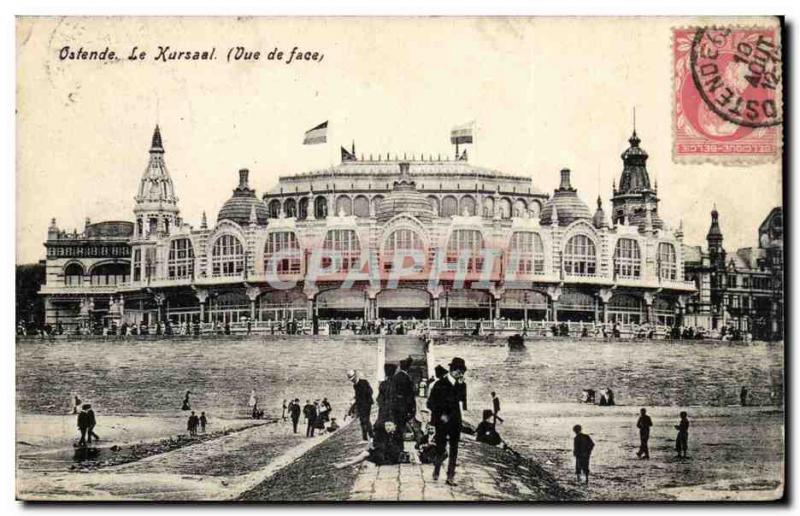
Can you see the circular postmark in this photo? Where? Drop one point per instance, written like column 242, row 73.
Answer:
column 737, row 73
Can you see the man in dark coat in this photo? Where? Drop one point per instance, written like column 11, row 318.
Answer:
column 294, row 412
column 92, row 424
column 444, row 404
column 310, row 412
column 682, row 441
column 643, row 424
column 496, row 408
column 582, row 450
column 83, row 425
column 386, row 394
column 404, row 404
column 362, row 405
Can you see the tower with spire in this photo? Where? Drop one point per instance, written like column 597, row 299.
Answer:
column 716, row 252
column 156, row 210
column 635, row 199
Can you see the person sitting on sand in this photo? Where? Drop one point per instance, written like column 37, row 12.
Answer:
column 333, row 426
column 186, row 405
column 486, row 432
column 382, row 450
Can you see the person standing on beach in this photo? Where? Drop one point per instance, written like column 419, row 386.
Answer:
column 191, row 424
column 582, row 450
column 83, row 425
column 310, row 412
column 444, row 404
column 643, row 424
column 385, row 393
column 76, row 403
column 682, row 440
column 203, row 422
column 362, row 404
column 92, row 424
column 283, row 415
column 294, row 412
column 743, row 396
column 496, row 408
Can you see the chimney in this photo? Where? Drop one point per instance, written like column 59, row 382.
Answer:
column 565, row 180
column 243, row 173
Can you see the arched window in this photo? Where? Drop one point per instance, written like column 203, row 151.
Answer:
column 344, row 244
column 73, row 275
column 109, row 274
column 505, row 208
column 227, row 256
column 434, row 204
column 406, row 241
column 520, row 207
column 361, row 207
column 283, row 247
column 580, row 257
column 449, row 206
column 181, row 259
column 344, row 206
column 467, row 206
column 627, row 259
column 320, row 208
column 290, row 208
column 274, row 208
column 527, row 251
column 667, row 262
column 302, row 209
column 375, row 201
column 488, row 207
column 466, row 243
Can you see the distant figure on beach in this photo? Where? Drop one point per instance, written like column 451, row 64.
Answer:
column 191, row 424
column 186, row 405
column 609, row 397
column 643, row 424
column 203, row 422
column 382, row 450
column 486, row 432
column 743, row 396
column 83, row 425
column 496, row 408
column 92, row 424
column 385, row 393
column 445, row 408
column 362, row 403
column 76, row 403
column 283, row 415
column 294, row 412
column 326, row 409
column 310, row 413
column 252, row 401
column 588, row 396
column 582, row 450
column 334, row 426
column 682, row 440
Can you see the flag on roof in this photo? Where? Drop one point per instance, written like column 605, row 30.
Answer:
column 347, row 155
column 318, row 134
column 462, row 133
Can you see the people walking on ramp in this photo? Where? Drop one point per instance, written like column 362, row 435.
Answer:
column 444, row 404
column 362, row 403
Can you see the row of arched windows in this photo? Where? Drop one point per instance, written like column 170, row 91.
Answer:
column 463, row 249
column 359, row 206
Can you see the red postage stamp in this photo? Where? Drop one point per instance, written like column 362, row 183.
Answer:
column 727, row 93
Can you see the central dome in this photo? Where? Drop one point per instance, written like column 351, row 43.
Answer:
column 404, row 198
column 238, row 208
column 566, row 203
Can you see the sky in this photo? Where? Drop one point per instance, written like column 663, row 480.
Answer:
column 544, row 93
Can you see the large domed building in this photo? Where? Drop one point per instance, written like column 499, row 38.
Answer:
column 430, row 238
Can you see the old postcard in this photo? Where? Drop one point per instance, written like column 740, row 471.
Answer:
column 400, row 259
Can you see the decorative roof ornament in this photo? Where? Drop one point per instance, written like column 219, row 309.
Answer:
column 204, row 221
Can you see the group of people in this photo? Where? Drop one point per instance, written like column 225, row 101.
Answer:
column 583, row 444
column 194, row 422
column 317, row 415
column 86, row 423
column 606, row 397
column 397, row 415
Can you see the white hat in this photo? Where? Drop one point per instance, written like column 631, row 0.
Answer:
column 351, row 374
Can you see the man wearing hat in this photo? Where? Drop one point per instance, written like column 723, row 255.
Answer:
column 446, row 417
column 362, row 405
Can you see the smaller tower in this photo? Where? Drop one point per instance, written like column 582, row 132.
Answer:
column 714, row 238
column 156, row 208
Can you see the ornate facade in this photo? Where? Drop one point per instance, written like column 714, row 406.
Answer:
column 500, row 248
